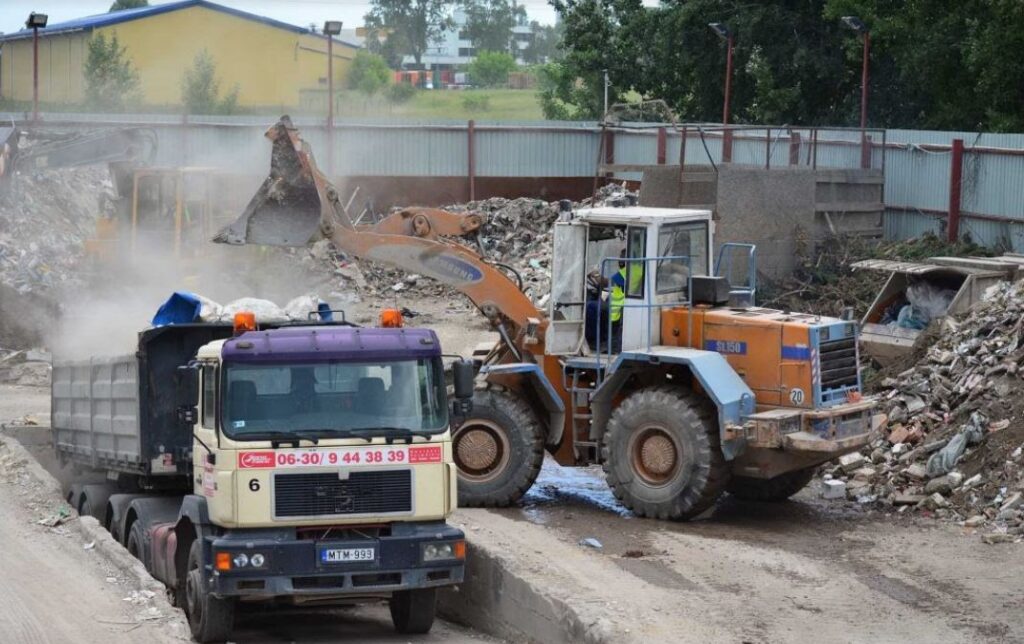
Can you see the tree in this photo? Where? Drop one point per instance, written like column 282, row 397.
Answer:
column 411, row 25
column 200, row 88
column 546, row 45
column 489, row 23
column 111, row 81
column 491, row 68
column 369, row 73
column 121, row 5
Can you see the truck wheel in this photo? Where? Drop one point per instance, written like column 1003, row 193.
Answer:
column 779, row 488
column 135, row 541
column 662, row 454
column 209, row 618
column 498, row 450
column 412, row 611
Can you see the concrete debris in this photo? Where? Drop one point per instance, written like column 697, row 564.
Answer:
column 591, row 542
column 955, row 446
column 833, row 489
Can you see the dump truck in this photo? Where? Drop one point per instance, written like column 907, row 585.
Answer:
column 289, row 463
column 692, row 393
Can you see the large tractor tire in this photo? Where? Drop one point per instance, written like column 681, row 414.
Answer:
column 412, row 611
column 779, row 488
column 498, row 449
column 662, row 454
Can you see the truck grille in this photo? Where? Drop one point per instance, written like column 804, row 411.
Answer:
column 324, row 494
column 838, row 363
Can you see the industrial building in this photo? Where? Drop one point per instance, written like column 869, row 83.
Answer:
column 270, row 61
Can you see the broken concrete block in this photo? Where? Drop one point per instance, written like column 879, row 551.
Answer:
column 850, row 462
column 867, row 474
column 998, row 537
column 908, row 499
column 940, row 485
column 917, row 471
column 833, row 489
column 1013, row 502
column 975, row 521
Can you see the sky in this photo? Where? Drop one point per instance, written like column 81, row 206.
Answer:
column 297, row 12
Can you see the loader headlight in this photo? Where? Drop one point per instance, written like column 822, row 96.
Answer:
column 442, row 551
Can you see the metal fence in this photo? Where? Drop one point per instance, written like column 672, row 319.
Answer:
column 918, row 166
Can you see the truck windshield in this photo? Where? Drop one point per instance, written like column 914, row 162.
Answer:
column 334, row 398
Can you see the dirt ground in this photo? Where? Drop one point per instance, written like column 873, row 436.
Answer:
column 55, row 591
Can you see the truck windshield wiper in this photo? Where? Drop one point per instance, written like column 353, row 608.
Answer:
column 391, row 434
column 278, row 437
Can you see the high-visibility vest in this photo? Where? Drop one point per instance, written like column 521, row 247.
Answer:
column 636, row 278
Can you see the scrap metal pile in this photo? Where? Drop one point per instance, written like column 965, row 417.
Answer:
column 955, row 443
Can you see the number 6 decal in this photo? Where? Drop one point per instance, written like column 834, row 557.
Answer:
column 254, row 485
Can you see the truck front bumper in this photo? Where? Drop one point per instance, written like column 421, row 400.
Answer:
column 295, row 567
column 835, row 431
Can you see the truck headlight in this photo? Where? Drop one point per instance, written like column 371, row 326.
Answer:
column 257, row 560
column 444, row 550
column 241, row 560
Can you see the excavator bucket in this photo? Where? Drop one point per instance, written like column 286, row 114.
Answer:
column 287, row 209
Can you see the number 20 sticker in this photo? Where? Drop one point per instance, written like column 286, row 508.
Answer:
column 796, row 396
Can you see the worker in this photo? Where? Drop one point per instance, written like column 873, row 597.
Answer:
column 627, row 280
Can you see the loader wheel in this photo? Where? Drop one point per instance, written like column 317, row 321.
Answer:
column 209, row 618
column 662, row 454
column 779, row 488
column 498, row 450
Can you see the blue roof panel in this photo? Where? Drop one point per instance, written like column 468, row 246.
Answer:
column 89, row 23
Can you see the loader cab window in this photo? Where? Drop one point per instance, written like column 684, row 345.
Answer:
column 680, row 241
column 616, row 241
column 210, row 396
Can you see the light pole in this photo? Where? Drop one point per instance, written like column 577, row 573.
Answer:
column 331, row 29
column 723, row 32
column 856, row 24
column 35, row 22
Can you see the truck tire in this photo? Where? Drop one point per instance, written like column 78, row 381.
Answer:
column 209, row 618
column 662, row 454
column 135, row 543
column 498, row 449
column 412, row 611
column 779, row 488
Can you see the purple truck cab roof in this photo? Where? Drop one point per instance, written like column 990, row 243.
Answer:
column 331, row 343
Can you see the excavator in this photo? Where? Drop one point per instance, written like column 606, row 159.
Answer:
column 691, row 393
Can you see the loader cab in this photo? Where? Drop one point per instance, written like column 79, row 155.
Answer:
column 655, row 251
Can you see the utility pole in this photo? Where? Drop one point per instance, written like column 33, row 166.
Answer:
column 606, row 84
column 35, row 22
column 723, row 32
column 331, row 29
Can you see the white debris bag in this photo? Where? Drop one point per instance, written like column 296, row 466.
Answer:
column 300, row 307
column 265, row 310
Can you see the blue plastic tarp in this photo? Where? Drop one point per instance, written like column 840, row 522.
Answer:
column 180, row 308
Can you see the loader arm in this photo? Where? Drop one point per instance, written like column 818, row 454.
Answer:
column 297, row 204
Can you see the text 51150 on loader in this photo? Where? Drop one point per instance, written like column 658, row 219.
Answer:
column 692, row 391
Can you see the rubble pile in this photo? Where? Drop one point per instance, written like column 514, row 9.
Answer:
column 45, row 216
column 954, row 447
column 516, row 236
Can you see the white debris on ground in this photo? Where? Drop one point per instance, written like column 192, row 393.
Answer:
column 955, row 443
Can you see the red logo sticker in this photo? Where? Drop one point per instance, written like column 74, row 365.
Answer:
column 429, row 454
column 255, row 459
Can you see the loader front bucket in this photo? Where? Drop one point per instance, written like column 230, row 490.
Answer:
column 286, row 210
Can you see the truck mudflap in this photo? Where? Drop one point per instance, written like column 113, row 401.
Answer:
column 335, row 566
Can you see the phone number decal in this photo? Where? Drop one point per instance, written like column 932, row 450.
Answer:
column 345, row 457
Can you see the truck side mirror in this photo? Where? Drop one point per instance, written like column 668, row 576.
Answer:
column 188, row 393
column 463, row 375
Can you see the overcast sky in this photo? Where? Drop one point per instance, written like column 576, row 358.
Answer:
column 297, row 12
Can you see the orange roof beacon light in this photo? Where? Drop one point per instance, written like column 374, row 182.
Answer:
column 391, row 319
column 244, row 321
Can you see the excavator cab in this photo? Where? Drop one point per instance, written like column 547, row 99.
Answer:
column 654, row 251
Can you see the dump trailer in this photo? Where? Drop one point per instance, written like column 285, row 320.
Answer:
column 297, row 463
column 673, row 380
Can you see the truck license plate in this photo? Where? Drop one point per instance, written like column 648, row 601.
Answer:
column 346, row 555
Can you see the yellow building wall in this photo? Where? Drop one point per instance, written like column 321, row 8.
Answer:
column 269, row 65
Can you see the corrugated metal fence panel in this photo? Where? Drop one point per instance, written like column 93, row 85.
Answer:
column 636, row 147
column 993, row 185
column 915, row 178
column 1007, row 235
column 532, row 153
column 400, row 152
column 908, row 225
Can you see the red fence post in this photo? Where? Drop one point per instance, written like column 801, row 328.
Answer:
column 662, row 144
column 794, row 148
column 956, row 166
column 471, row 158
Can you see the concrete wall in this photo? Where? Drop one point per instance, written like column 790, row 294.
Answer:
column 773, row 209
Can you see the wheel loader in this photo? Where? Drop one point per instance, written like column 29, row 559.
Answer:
column 692, row 392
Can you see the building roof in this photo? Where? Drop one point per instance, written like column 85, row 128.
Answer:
column 88, row 23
